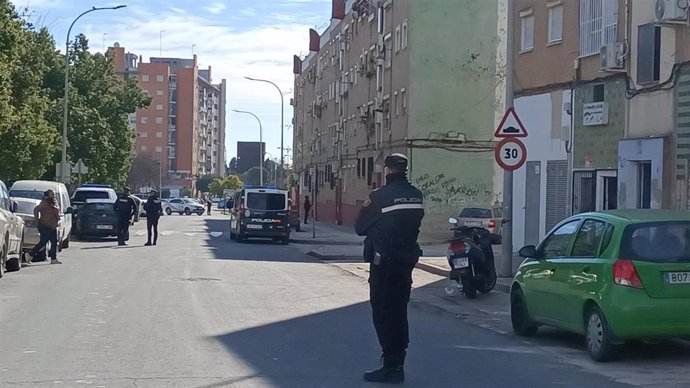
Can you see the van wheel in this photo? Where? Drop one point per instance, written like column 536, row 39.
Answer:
column 13, row 264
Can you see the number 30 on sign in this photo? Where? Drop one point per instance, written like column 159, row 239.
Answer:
column 511, row 153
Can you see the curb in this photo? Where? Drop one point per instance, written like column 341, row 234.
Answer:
column 505, row 288
column 325, row 242
column 319, row 256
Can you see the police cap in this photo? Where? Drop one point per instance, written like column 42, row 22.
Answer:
column 396, row 161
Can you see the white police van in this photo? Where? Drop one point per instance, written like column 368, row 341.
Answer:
column 260, row 212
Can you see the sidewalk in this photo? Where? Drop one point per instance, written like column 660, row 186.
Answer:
column 339, row 243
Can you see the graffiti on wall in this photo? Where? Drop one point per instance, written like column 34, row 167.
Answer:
column 447, row 191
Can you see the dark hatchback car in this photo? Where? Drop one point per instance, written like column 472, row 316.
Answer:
column 96, row 218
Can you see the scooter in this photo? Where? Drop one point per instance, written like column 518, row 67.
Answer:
column 471, row 259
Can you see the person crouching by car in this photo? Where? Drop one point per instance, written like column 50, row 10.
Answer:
column 47, row 214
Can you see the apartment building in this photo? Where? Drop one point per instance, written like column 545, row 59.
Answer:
column 416, row 77
column 602, row 86
column 184, row 127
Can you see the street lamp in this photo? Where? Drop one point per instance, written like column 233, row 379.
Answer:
column 65, row 102
column 261, row 141
column 282, row 126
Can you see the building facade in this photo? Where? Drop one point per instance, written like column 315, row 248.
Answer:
column 381, row 79
column 184, row 126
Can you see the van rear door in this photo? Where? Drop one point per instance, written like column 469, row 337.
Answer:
column 268, row 211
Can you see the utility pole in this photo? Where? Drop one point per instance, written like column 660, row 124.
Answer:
column 507, row 228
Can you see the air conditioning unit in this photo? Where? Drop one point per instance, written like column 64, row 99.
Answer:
column 671, row 11
column 613, row 56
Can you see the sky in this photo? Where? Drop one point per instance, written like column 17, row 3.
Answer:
column 237, row 38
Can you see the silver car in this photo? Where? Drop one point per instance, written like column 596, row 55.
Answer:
column 183, row 206
column 25, row 210
column 11, row 233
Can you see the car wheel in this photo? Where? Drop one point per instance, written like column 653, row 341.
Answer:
column 168, row 211
column 65, row 243
column 523, row 325
column 598, row 336
column 3, row 259
column 285, row 240
column 201, row 213
column 187, row 211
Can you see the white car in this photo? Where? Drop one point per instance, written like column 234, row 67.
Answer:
column 183, row 206
column 11, row 233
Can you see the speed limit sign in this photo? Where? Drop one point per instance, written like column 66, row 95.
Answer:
column 510, row 153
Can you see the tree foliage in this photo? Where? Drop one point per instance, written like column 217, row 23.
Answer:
column 144, row 172
column 230, row 182
column 203, row 183
column 27, row 58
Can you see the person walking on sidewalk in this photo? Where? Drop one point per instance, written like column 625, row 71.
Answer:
column 126, row 209
column 47, row 214
column 390, row 219
column 209, row 204
column 154, row 210
column 307, row 208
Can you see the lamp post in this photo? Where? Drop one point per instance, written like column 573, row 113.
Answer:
column 282, row 125
column 64, row 177
column 261, row 142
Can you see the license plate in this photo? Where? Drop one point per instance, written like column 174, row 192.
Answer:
column 677, row 277
column 461, row 262
column 473, row 223
column 104, row 227
column 250, row 226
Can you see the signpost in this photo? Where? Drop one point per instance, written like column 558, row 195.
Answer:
column 80, row 169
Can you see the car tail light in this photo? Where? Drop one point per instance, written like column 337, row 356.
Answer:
column 625, row 274
column 492, row 223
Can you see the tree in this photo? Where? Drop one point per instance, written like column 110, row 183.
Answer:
column 233, row 166
column 230, row 182
column 27, row 56
column 203, row 183
column 144, row 172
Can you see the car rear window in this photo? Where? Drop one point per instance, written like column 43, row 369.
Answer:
column 25, row 207
column 266, row 201
column 660, row 242
column 107, row 208
column 33, row 194
column 83, row 195
column 472, row 212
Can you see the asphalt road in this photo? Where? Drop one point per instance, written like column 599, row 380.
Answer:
column 201, row 311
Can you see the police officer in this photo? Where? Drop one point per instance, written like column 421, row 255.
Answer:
column 390, row 220
column 154, row 210
column 126, row 209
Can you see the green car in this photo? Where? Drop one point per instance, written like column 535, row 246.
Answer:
column 611, row 276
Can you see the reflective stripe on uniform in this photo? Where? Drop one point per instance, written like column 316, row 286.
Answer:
column 406, row 206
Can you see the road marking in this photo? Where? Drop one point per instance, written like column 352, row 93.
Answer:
column 167, row 232
column 216, row 234
column 140, row 233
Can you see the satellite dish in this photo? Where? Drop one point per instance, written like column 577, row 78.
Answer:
column 660, row 9
column 117, row 44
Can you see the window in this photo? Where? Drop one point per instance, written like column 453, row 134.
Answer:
column 359, row 168
column 159, row 134
column 648, row 53
column 159, row 120
column 398, row 39
column 404, row 35
column 526, row 31
column 589, row 239
column 159, row 107
column 144, row 119
column 598, row 93
column 370, row 170
column 657, row 242
column 159, row 149
column 556, row 24
column 159, row 78
column 144, row 148
column 397, row 107
column 403, row 96
column 558, row 242
column 143, row 134
column 145, row 78
column 598, row 25
column 159, row 92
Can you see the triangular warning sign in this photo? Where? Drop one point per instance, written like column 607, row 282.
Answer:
column 511, row 126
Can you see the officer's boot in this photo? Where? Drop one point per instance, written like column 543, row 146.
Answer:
column 392, row 371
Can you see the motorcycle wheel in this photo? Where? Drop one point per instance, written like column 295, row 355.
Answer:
column 488, row 284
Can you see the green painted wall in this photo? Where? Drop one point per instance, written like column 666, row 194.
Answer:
column 599, row 144
column 453, row 83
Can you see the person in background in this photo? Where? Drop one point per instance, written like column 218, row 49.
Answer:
column 47, row 214
column 126, row 209
column 154, row 210
column 208, row 207
column 307, row 208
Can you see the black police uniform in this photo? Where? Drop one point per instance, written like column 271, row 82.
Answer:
column 154, row 209
column 125, row 208
column 391, row 219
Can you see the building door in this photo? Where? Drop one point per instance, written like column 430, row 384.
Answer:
column 584, row 194
column 607, row 190
column 644, row 185
column 532, row 202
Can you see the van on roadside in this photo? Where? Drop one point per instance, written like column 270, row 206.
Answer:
column 34, row 189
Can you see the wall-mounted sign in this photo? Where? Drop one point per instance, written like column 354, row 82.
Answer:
column 596, row 113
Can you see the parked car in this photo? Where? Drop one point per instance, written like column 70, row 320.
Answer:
column 34, row 190
column 612, row 276
column 140, row 207
column 183, row 206
column 97, row 218
column 25, row 210
column 11, row 233
column 487, row 218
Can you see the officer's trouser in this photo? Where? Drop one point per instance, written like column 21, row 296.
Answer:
column 152, row 229
column 123, row 229
column 389, row 288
